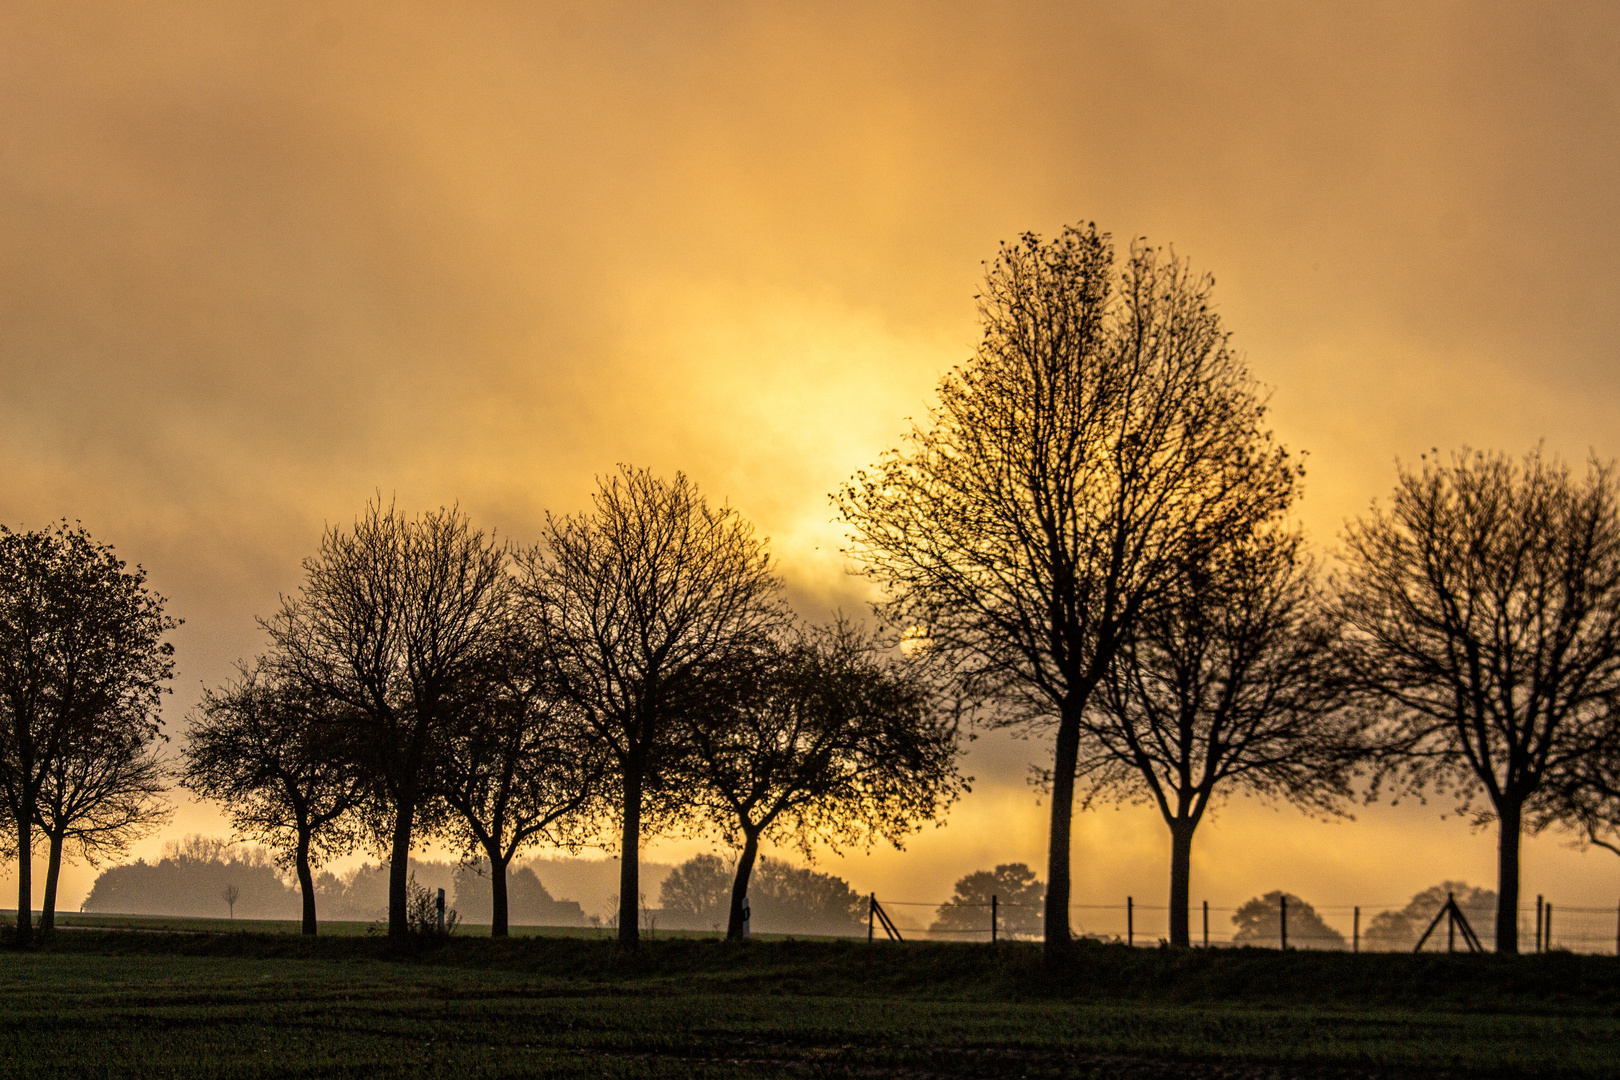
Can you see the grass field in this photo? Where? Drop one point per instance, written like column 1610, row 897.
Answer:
column 149, row 1003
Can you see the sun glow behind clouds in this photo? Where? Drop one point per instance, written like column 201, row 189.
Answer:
column 259, row 263
column 773, row 398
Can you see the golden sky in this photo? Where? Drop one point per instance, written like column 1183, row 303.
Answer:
column 258, row 262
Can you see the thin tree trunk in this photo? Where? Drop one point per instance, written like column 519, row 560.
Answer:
column 1181, row 838
column 739, row 885
column 1509, row 820
column 1065, row 756
column 399, row 870
column 53, row 873
column 629, row 862
column 499, row 919
column 306, row 882
column 25, row 871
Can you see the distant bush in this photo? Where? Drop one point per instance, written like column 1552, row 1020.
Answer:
column 192, row 879
column 1259, row 922
column 782, row 898
column 1020, row 898
column 1398, row 931
column 528, row 902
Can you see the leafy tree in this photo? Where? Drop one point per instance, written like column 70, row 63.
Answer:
column 272, row 756
column 81, row 652
column 788, row 899
column 1102, row 430
column 1019, row 898
column 1259, row 922
column 1484, row 605
column 635, row 603
column 822, row 739
column 519, row 767
column 1226, row 685
column 393, row 620
column 1398, row 931
column 697, row 893
column 103, row 791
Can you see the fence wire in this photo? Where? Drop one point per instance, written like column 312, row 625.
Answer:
column 1568, row 928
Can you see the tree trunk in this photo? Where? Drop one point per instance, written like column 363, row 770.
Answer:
column 629, row 862
column 1509, row 819
column 53, row 872
column 739, row 886
column 306, row 882
column 499, row 919
column 25, row 871
column 399, row 870
column 1181, row 838
column 1065, row 756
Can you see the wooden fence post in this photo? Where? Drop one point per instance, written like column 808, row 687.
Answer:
column 992, row 918
column 871, row 916
column 1538, row 922
column 1282, row 911
column 1130, row 920
column 1206, row 924
column 1546, row 930
column 1355, row 933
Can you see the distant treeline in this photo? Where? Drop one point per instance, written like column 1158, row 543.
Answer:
column 192, row 876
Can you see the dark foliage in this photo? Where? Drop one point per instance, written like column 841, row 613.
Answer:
column 83, row 666
column 1020, row 898
column 635, row 603
column 822, row 737
column 1103, row 430
column 1484, row 609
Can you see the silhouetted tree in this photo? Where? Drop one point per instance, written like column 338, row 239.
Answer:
column 393, row 619
column 103, row 791
column 1225, row 685
column 1102, row 429
column 1398, row 931
column 273, row 758
column 634, row 604
column 1259, row 922
column 81, row 647
column 231, row 895
column 520, row 766
column 1019, row 897
column 697, row 893
column 822, row 739
column 1485, row 609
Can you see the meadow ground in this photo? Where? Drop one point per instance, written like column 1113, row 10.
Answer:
column 156, row 1002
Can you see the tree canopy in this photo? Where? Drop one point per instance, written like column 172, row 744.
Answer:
column 1103, row 430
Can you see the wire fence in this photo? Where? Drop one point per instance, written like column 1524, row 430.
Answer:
column 1543, row 927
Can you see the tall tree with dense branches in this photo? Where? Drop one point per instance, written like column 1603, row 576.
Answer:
column 520, row 766
column 393, row 620
column 1227, row 684
column 1103, row 431
column 634, row 603
column 275, row 760
column 1484, row 608
column 822, row 738
column 81, row 647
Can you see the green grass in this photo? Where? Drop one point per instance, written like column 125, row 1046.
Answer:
column 150, row 1003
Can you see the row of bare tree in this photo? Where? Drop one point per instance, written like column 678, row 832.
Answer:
column 637, row 668
column 1093, row 533
column 1091, row 536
